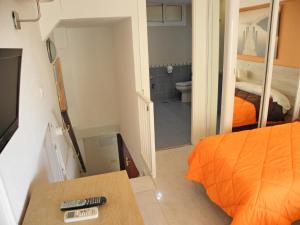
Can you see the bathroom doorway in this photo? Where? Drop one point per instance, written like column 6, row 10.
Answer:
column 170, row 69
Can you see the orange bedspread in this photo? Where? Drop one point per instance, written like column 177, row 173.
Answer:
column 253, row 175
column 244, row 113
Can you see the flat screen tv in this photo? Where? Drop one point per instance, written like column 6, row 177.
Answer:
column 10, row 70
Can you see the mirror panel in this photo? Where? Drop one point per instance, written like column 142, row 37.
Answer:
column 283, row 102
column 252, row 45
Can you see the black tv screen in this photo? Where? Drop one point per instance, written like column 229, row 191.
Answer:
column 10, row 69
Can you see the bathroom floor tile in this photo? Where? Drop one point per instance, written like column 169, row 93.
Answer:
column 172, row 123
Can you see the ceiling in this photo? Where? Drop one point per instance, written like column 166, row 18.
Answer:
column 77, row 23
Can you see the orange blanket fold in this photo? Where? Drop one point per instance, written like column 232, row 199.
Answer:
column 253, row 175
column 244, row 113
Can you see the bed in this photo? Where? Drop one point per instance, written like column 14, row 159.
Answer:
column 247, row 105
column 253, row 175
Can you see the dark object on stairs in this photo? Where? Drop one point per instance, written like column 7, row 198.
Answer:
column 126, row 161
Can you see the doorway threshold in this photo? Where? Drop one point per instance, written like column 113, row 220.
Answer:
column 172, row 147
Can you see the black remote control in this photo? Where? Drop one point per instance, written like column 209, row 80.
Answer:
column 83, row 203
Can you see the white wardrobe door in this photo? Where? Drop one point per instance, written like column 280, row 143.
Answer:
column 230, row 61
column 282, row 83
column 273, row 27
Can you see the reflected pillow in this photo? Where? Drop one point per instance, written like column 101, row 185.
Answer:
column 277, row 96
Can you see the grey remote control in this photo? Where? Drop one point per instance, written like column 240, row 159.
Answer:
column 83, row 203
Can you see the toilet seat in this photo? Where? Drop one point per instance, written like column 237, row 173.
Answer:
column 186, row 90
column 184, row 84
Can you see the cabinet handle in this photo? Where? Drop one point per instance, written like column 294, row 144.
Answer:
column 127, row 161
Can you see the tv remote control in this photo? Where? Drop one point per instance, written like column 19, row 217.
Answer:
column 80, row 215
column 83, row 203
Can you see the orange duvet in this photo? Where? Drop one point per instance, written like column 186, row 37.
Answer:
column 253, row 175
column 244, row 113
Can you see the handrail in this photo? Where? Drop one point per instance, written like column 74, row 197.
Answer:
column 147, row 100
column 71, row 132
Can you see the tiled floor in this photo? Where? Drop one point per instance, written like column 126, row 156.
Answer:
column 173, row 200
column 170, row 199
column 172, row 123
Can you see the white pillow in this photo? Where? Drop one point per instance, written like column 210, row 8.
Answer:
column 278, row 97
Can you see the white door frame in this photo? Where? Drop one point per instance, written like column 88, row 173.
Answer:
column 200, row 27
column 230, row 61
column 297, row 101
column 213, row 67
column 204, row 52
column 273, row 24
column 143, row 48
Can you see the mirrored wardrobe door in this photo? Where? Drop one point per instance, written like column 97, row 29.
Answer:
column 283, row 102
column 252, row 52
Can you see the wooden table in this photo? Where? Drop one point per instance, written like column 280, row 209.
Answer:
column 120, row 209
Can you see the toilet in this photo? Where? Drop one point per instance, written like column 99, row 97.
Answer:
column 186, row 89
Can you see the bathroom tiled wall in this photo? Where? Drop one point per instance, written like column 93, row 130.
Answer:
column 163, row 85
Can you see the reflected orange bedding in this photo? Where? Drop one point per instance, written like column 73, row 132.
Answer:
column 244, row 113
column 253, row 175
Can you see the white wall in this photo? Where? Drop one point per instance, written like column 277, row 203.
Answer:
column 6, row 213
column 51, row 15
column 20, row 162
column 173, row 44
column 99, row 65
column 129, row 117
column 89, row 75
column 135, row 11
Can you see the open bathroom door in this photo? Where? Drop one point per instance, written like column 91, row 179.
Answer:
column 147, row 133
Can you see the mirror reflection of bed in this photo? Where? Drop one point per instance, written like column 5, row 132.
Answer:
column 248, row 93
column 249, row 106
